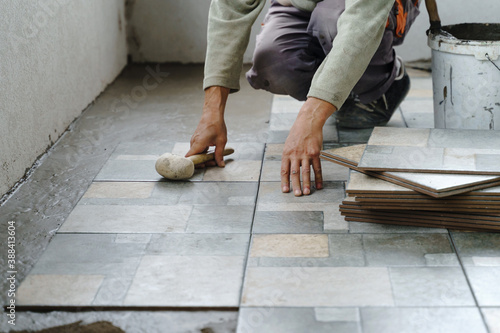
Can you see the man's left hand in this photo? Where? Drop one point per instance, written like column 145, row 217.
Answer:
column 303, row 146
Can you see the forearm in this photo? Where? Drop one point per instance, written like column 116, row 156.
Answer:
column 229, row 26
column 360, row 30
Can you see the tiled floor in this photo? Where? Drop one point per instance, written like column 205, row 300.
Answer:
column 237, row 253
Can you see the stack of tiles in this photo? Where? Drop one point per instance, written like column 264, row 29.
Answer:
column 423, row 177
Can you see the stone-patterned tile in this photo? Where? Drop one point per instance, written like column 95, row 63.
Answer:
column 220, row 219
column 419, row 119
column 344, row 251
column 422, row 320
column 317, row 287
column 404, row 250
column 290, row 245
column 126, row 219
column 354, row 135
column 136, row 162
column 492, row 317
column 126, row 190
column 305, row 222
column 430, row 286
column 187, row 281
column 58, row 289
column 477, row 249
column 248, row 171
column 199, row 245
column 484, row 281
column 298, row 320
column 377, row 228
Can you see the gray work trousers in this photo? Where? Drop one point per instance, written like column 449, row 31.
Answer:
column 293, row 43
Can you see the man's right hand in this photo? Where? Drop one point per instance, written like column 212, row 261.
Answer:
column 211, row 130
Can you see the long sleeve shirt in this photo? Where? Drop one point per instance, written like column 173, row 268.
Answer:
column 360, row 30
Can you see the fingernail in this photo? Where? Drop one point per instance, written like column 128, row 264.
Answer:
column 285, row 189
column 222, row 164
column 319, row 186
column 298, row 193
column 307, row 191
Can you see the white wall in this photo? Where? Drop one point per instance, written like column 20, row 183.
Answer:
column 450, row 12
column 173, row 31
column 56, row 56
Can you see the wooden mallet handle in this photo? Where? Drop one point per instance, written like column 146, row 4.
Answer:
column 202, row 158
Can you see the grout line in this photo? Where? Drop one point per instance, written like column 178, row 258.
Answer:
column 403, row 116
column 452, row 242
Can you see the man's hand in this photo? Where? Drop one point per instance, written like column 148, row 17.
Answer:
column 211, row 130
column 303, row 146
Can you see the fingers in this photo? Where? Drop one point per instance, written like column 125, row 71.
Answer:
column 306, row 177
column 318, row 175
column 295, row 178
column 219, row 155
column 196, row 149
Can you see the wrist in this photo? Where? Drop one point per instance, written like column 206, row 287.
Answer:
column 317, row 110
column 215, row 100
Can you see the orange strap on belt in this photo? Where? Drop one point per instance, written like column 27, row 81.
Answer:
column 401, row 18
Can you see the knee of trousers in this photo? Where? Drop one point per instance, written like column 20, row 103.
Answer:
column 281, row 72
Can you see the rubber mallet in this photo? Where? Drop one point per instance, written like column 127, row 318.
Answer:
column 177, row 167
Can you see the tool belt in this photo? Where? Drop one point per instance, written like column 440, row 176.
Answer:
column 401, row 17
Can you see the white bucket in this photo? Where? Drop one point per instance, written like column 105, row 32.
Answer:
column 466, row 76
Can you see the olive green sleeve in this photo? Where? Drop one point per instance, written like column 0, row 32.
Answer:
column 229, row 26
column 360, row 30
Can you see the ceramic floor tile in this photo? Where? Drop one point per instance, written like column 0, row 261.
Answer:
column 126, row 219
column 404, row 250
column 344, row 251
column 220, row 219
column 234, row 171
column 492, row 317
column 317, row 287
column 354, row 136
column 288, row 245
column 430, row 286
column 477, row 249
column 285, row 104
column 72, row 290
column 484, row 281
column 296, row 320
column 288, row 222
column 271, row 171
column 136, row 162
column 419, row 120
column 199, row 245
column 397, row 120
column 371, row 228
column 414, row 105
column 270, row 192
column 422, row 320
column 128, row 190
column 176, row 281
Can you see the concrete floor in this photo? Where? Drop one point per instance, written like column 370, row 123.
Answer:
column 101, row 237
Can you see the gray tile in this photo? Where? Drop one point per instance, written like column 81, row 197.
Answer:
column 143, row 148
column 317, row 286
column 404, row 250
column 371, row 228
column 294, row 320
column 344, row 251
column 270, row 192
column 288, row 222
column 484, row 281
column 289, row 246
column 199, row 245
column 176, row 281
column 277, row 136
column 126, row 219
column 397, row 120
column 414, row 105
column 430, row 286
column 354, row 136
column 220, row 219
column 477, row 249
column 285, row 104
column 129, row 170
column 422, row 320
column 492, row 318
column 419, row 120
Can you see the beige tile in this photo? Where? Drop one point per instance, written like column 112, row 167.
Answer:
column 486, row 261
column 187, row 281
column 58, row 289
column 285, row 104
column 181, row 148
column 274, row 149
column 127, row 219
column 420, row 93
column 317, row 286
column 395, row 136
column 288, row 245
column 234, row 171
column 125, row 190
column 337, row 314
